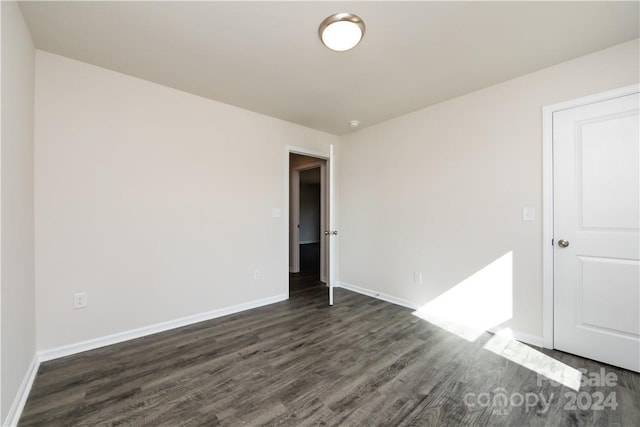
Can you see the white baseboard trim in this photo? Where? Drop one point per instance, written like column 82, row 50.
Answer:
column 13, row 416
column 522, row 337
column 518, row 336
column 529, row 339
column 94, row 343
column 375, row 294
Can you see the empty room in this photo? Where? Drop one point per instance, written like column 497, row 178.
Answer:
column 305, row 213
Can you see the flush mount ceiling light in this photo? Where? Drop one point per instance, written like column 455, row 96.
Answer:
column 342, row 31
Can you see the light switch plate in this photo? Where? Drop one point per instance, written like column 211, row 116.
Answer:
column 528, row 214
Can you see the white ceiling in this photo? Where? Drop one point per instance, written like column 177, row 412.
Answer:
column 267, row 57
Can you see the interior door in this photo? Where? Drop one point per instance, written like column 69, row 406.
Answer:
column 596, row 156
column 332, row 233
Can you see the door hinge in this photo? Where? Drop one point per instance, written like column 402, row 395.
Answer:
column 552, row 242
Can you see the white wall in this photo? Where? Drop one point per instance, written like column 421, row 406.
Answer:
column 441, row 191
column 143, row 201
column 17, row 242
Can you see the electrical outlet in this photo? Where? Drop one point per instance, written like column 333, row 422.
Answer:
column 80, row 300
column 256, row 274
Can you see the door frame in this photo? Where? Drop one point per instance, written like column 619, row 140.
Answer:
column 547, row 197
column 289, row 149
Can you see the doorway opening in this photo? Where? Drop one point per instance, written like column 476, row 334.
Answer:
column 308, row 214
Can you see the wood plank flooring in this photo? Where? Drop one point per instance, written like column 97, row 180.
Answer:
column 362, row 362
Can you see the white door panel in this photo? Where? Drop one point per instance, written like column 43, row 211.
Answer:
column 596, row 151
column 604, row 145
column 599, row 301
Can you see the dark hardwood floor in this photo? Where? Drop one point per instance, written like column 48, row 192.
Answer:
column 361, row 362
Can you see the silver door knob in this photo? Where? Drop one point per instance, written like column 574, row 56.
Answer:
column 331, row 233
column 563, row 243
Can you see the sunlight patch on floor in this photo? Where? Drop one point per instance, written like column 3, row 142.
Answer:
column 475, row 305
column 503, row 344
column 481, row 303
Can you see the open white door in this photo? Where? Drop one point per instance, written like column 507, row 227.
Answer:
column 596, row 219
column 331, row 233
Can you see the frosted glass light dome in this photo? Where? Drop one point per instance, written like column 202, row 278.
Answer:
column 342, row 31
